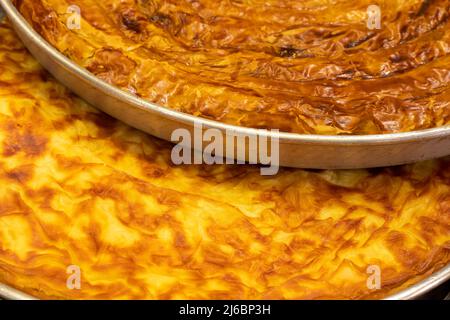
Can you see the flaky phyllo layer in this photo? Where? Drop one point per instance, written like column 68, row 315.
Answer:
column 80, row 189
column 304, row 66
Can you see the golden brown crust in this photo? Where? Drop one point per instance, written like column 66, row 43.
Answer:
column 79, row 188
column 298, row 66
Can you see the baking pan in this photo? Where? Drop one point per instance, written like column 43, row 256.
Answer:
column 295, row 150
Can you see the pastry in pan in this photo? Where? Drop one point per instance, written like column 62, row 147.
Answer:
column 83, row 194
column 310, row 66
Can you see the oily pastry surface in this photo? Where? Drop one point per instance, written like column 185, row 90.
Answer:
column 81, row 189
column 308, row 66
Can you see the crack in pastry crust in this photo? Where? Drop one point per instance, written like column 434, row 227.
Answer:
column 79, row 188
column 298, row 66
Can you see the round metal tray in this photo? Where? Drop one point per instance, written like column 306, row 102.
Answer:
column 295, row 150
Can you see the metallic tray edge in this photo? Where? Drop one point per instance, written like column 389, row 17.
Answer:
column 9, row 293
column 296, row 150
column 419, row 289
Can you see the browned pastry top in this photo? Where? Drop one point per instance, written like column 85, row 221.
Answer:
column 309, row 66
column 80, row 189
